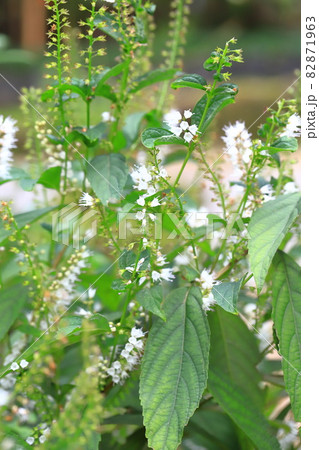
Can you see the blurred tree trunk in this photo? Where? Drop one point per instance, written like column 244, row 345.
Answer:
column 33, row 25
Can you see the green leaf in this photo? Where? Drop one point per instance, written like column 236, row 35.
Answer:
column 51, row 178
column 174, row 368
column 226, row 295
column 247, row 417
column 23, row 220
column 284, row 144
column 100, row 79
column 192, row 80
column 132, row 126
column 286, row 285
column 106, row 91
column 211, row 429
column 151, row 300
column 233, row 377
column 151, row 137
column 90, row 137
column 107, row 175
column 267, row 228
column 151, row 78
column 12, row 301
column 15, row 174
column 234, row 352
column 223, row 96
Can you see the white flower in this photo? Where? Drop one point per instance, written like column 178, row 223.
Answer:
column 188, row 137
column 24, row 364
column 116, row 365
column 163, row 172
column 193, row 129
column 152, row 217
column 154, row 203
column 14, row 366
column 86, row 199
column 141, row 177
column 42, row 439
column 156, row 275
column 137, row 333
column 188, row 114
column 129, row 347
column 293, row 126
column 208, row 302
column 290, row 188
column 125, row 353
column 30, row 440
column 140, row 215
column 106, row 116
column 132, row 340
column 141, row 200
column 238, row 142
column 268, row 192
column 172, row 118
column 91, row 292
column 167, row 274
column 8, row 141
column 177, row 131
column 207, row 280
column 184, row 125
column 178, row 124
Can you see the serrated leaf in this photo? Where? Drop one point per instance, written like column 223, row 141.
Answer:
column 286, row 286
column 226, row 295
column 247, row 417
column 12, row 300
column 233, row 378
column 151, row 137
column 151, row 78
column 174, row 368
column 192, row 80
column 267, row 228
column 223, row 96
column 151, row 300
column 107, row 175
column 234, row 352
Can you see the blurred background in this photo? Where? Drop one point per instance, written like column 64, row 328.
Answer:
column 267, row 31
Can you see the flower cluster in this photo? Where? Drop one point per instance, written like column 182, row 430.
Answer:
column 63, row 287
column 8, row 140
column 179, row 125
column 238, row 143
column 146, row 179
column 15, row 366
column 130, row 357
column 207, row 281
column 293, row 126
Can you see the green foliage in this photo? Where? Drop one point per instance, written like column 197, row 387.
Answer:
column 286, row 315
column 177, row 350
column 145, row 328
column 234, row 379
column 107, row 175
column 226, row 295
column 12, row 301
column 267, row 228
